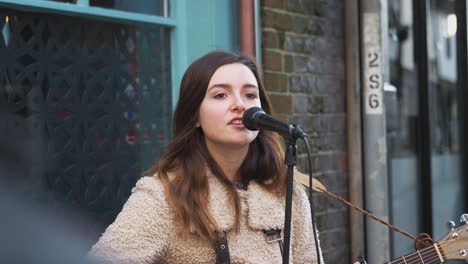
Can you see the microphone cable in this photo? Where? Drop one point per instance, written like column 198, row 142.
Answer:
column 311, row 202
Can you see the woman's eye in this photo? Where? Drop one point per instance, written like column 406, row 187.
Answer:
column 251, row 95
column 220, row 95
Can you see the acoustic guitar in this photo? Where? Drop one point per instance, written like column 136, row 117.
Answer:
column 453, row 246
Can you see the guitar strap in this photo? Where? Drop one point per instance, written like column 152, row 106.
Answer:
column 275, row 235
column 222, row 248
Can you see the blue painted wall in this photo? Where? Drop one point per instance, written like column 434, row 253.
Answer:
column 201, row 26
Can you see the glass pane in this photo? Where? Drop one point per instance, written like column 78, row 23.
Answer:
column 401, row 106
column 85, row 109
column 154, row 7
column 447, row 181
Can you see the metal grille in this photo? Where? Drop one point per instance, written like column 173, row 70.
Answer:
column 85, row 109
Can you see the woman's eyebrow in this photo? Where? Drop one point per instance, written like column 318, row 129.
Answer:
column 228, row 86
column 222, row 85
column 249, row 85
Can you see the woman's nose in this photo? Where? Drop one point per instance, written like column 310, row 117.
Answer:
column 238, row 104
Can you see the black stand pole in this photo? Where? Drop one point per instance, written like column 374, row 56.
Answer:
column 290, row 160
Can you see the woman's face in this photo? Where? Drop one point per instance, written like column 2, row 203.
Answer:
column 232, row 89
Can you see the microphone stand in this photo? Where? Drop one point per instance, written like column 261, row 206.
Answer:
column 291, row 160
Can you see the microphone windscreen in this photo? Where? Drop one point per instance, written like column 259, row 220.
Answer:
column 248, row 119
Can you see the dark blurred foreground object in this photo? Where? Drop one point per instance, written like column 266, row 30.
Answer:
column 29, row 234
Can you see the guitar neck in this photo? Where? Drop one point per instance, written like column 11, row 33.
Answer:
column 432, row 255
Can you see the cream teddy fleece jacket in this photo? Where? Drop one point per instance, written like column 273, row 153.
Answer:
column 143, row 232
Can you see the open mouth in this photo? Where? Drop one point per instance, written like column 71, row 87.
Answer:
column 236, row 122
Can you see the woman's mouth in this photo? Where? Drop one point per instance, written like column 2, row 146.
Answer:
column 237, row 122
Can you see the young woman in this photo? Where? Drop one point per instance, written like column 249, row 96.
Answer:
column 217, row 193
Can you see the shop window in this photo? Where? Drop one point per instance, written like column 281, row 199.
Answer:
column 85, row 110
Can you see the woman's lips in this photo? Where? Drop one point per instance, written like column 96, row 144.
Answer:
column 236, row 122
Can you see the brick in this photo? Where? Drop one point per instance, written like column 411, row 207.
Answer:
column 332, row 123
column 295, row 44
column 312, row 45
column 328, row 85
column 315, row 26
column 302, row 83
column 279, row 21
column 312, row 143
column 301, row 6
column 334, row 239
column 338, row 161
column 281, row 117
column 302, row 162
column 338, row 254
column 337, row 123
column 272, row 60
column 333, row 30
column 336, row 48
column 333, row 104
column 273, row 3
column 323, row 123
column 332, row 220
column 338, row 31
column 309, row 46
column 270, row 39
column 282, row 103
column 314, row 65
column 288, row 63
column 321, row 45
column 334, row 3
column 277, row 82
column 322, row 202
column 320, row 8
column 342, row 162
column 296, row 64
column 324, row 163
column 306, row 26
column 335, row 181
column 331, row 142
column 338, row 142
column 333, row 14
column 322, row 143
column 315, row 104
column 334, row 67
column 300, row 103
column 307, row 123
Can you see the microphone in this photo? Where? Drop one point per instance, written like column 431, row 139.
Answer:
column 255, row 119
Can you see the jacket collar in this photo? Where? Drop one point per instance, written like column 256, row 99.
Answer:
column 264, row 210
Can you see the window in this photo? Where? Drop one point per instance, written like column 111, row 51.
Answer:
column 85, row 109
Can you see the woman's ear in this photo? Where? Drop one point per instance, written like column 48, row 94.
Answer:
column 197, row 124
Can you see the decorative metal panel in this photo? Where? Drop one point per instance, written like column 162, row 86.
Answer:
column 85, row 109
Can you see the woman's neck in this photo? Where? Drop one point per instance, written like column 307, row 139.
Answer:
column 229, row 159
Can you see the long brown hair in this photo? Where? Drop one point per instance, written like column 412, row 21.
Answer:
column 187, row 157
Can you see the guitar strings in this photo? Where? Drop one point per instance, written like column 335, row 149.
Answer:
column 424, row 253
column 410, row 257
column 418, row 256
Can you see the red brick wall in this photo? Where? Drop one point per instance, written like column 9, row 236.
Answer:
column 303, row 61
